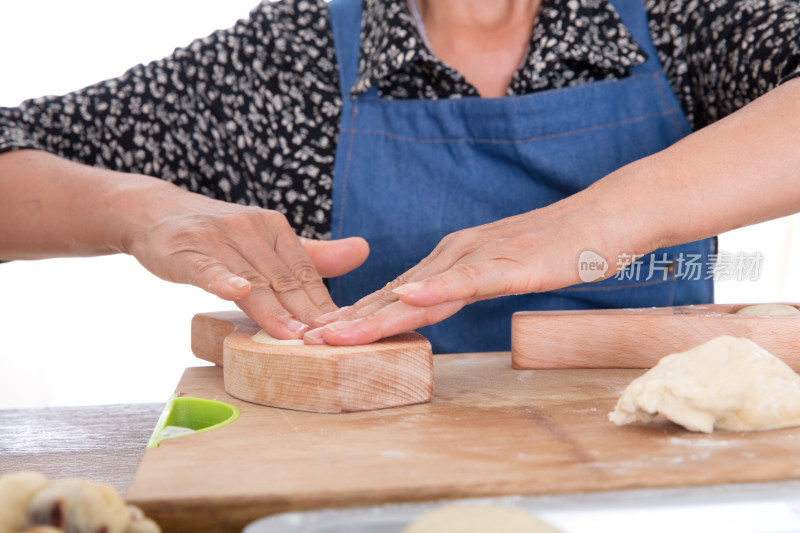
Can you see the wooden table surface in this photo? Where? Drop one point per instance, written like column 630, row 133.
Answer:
column 103, row 443
column 106, row 443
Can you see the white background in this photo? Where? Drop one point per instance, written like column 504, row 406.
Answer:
column 104, row 330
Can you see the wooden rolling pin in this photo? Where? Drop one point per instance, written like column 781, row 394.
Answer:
column 322, row 379
column 638, row 338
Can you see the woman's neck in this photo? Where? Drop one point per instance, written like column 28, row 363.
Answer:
column 484, row 40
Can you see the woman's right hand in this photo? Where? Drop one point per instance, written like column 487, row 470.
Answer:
column 51, row 207
column 245, row 254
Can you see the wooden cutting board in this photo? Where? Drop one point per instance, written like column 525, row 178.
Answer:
column 489, row 430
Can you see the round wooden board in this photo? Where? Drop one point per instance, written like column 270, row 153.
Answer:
column 317, row 378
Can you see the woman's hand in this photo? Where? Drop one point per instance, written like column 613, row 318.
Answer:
column 245, row 254
column 51, row 207
column 740, row 170
column 533, row 252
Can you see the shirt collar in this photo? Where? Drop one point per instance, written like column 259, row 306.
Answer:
column 587, row 31
column 389, row 41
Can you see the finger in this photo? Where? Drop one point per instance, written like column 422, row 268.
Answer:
column 371, row 304
column 337, row 257
column 304, row 294
column 282, row 269
column 379, row 299
column 231, row 278
column 391, row 320
column 263, row 304
column 212, row 276
column 334, row 316
column 274, row 288
column 437, row 261
column 468, row 281
column 264, row 308
column 373, row 301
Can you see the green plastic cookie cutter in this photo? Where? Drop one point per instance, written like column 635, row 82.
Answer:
column 187, row 416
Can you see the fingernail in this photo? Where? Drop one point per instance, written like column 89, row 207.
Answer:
column 327, row 318
column 314, row 336
column 295, row 326
column 344, row 324
column 408, row 288
column 237, row 283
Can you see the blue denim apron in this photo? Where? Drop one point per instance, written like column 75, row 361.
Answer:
column 409, row 172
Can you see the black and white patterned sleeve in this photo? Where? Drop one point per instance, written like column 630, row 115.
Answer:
column 721, row 54
column 248, row 115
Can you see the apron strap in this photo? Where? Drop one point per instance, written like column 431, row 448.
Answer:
column 345, row 17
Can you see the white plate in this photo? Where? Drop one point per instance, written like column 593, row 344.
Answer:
column 752, row 508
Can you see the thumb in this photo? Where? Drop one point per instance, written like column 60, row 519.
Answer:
column 335, row 258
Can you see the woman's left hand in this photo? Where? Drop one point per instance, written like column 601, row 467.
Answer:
column 740, row 170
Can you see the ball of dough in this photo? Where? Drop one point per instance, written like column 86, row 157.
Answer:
column 478, row 519
column 726, row 383
column 768, row 310
column 79, row 506
column 16, row 491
